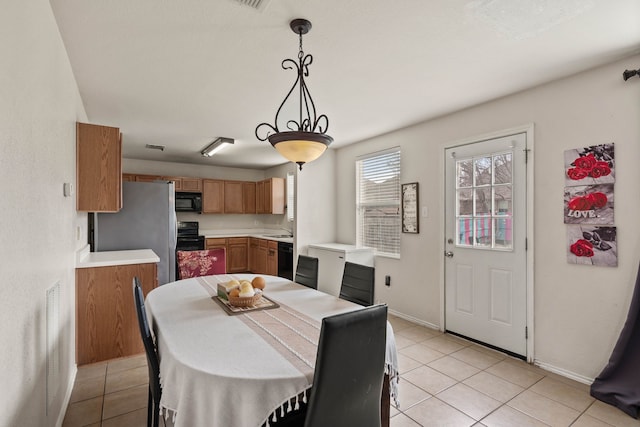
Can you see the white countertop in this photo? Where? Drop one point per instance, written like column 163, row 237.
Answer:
column 340, row 247
column 86, row 259
column 258, row 234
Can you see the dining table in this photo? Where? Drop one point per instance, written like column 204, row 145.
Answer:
column 229, row 367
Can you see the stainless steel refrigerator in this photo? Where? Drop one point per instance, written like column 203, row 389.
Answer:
column 147, row 220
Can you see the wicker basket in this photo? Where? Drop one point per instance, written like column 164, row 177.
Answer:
column 244, row 301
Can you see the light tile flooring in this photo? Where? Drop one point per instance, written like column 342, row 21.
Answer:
column 444, row 381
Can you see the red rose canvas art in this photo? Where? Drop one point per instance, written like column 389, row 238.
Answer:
column 589, row 204
column 590, row 165
column 592, row 245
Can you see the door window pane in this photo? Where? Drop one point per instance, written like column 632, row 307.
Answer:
column 484, row 201
column 465, row 202
column 504, row 238
column 483, row 232
column 465, row 232
column 482, row 171
column 503, row 200
column 502, row 168
column 464, row 171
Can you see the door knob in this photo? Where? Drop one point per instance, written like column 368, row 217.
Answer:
column 448, row 254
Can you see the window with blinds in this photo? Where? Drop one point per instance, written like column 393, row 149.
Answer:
column 378, row 201
column 290, row 196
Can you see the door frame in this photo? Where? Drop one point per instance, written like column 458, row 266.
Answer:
column 527, row 129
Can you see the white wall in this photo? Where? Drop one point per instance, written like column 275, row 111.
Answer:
column 315, row 202
column 39, row 105
column 579, row 310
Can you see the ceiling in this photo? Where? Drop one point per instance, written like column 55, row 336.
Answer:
column 179, row 73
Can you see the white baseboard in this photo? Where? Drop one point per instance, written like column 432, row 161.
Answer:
column 414, row 320
column 67, row 396
column 563, row 372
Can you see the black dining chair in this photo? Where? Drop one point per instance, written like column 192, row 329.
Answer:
column 307, row 271
column 155, row 391
column 358, row 283
column 349, row 372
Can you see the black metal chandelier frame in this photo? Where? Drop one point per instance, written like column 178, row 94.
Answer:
column 309, row 126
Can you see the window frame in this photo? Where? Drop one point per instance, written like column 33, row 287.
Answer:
column 394, row 202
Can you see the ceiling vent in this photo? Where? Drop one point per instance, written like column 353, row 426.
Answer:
column 260, row 5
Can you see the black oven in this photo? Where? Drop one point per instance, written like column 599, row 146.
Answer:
column 285, row 260
column 188, row 238
column 188, row 202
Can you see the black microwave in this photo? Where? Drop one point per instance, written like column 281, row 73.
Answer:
column 188, row 202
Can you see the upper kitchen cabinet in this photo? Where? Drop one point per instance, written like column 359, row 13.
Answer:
column 181, row 183
column 98, row 168
column 233, row 197
column 270, row 196
column 193, row 185
column 212, row 196
column 249, row 197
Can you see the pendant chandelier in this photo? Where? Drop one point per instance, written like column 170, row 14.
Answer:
column 305, row 139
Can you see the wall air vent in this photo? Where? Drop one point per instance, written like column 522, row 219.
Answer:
column 154, row 147
column 256, row 4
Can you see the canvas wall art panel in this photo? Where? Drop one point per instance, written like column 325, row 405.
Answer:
column 592, row 245
column 589, row 204
column 590, row 165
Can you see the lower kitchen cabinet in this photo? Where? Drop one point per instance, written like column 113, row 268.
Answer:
column 236, row 250
column 272, row 258
column 106, row 321
column 237, row 255
column 263, row 256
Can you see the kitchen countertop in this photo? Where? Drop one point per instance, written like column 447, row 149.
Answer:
column 86, row 259
column 262, row 234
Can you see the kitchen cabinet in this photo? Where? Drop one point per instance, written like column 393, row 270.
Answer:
column 106, row 322
column 192, row 185
column 331, row 259
column 236, row 252
column 254, row 243
column 270, row 196
column 237, row 255
column 180, row 183
column 249, row 197
column 272, row 258
column 233, row 197
column 98, row 168
column 215, row 243
column 212, row 196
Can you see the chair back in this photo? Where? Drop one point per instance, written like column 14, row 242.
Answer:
column 347, row 383
column 357, row 283
column 202, row 263
column 307, row 271
column 149, row 346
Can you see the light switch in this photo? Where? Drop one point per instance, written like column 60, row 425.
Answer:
column 67, row 189
column 424, row 212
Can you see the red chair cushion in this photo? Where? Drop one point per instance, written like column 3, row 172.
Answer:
column 201, row 263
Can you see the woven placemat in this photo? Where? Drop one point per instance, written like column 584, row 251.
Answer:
column 263, row 304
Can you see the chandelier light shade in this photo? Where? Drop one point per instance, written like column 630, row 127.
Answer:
column 302, row 139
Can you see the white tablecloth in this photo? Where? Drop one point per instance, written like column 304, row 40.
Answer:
column 217, row 371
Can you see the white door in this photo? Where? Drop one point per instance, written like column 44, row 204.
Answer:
column 485, row 264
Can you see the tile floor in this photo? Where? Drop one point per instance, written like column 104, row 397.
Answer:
column 445, row 381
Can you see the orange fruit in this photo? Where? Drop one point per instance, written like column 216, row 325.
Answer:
column 234, row 293
column 258, row 282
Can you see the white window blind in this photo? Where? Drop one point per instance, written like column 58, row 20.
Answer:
column 378, row 201
column 290, row 196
